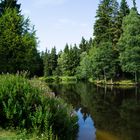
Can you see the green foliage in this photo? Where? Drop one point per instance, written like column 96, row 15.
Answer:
column 50, row 62
column 60, row 79
column 12, row 4
column 66, row 62
column 99, row 63
column 102, row 24
column 122, row 12
column 85, row 45
column 69, row 60
column 124, row 9
column 53, row 79
column 22, row 135
column 25, row 106
column 68, row 79
column 104, row 61
column 84, row 71
column 18, row 44
column 134, row 5
column 129, row 44
column 99, row 58
column 107, row 27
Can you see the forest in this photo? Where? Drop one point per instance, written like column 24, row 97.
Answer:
column 113, row 52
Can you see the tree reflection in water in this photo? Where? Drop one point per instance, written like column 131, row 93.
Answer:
column 114, row 112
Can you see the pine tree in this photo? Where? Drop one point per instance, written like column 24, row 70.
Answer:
column 12, row 4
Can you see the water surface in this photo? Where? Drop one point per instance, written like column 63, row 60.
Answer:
column 105, row 113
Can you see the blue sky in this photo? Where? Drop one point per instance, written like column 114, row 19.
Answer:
column 61, row 21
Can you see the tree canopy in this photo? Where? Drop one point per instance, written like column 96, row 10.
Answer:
column 18, row 41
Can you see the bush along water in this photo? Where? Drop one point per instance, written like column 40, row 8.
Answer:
column 26, row 107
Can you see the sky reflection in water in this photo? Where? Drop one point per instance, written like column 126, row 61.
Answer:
column 86, row 127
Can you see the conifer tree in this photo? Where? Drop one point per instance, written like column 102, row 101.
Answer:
column 46, row 62
column 113, row 30
column 84, row 47
column 102, row 24
column 134, row 5
column 12, row 4
column 18, row 49
column 53, row 60
column 124, row 8
column 123, row 11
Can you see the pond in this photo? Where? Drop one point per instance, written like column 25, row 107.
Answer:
column 105, row 113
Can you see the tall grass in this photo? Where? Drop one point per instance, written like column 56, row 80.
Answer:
column 25, row 106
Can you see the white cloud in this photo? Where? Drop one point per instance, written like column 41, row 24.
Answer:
column 48, row 2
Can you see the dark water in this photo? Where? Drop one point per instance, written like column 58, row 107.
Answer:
column 105, row 113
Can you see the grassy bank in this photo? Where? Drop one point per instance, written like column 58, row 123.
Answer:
column 74, row 79
column 28, row 107
column 60, row 79
column 7, row 135
column 22, row 135
column 116, row 82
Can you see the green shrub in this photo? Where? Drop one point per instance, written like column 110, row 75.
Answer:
column 25, row 106
column 49, row 79
column 53, row 79
column 69, row 79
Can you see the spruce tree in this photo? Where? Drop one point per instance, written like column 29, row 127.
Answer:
column 113, row 30
column 46, row 62
column 134, row 5
column 18, row 49
column 102, row 24
column 124, row 8
column 53, row 60
column 68, row 60
column 12, row 4
column 83, row 45
column 123, row 11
